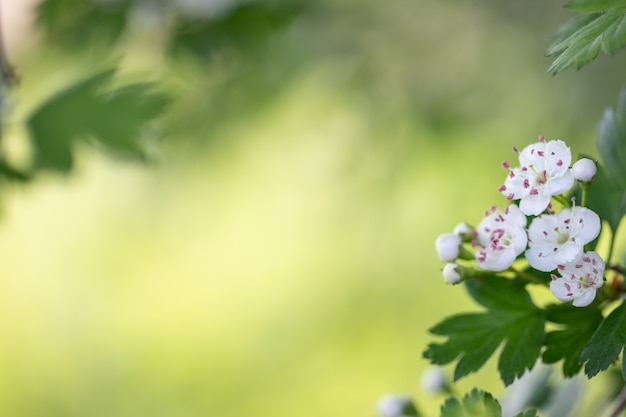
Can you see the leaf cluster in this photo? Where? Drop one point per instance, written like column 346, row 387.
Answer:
column 476, row 404
column 601, row 25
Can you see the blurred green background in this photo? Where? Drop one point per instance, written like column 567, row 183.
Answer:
column 276, row 256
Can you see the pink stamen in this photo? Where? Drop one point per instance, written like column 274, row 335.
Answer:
column 505, row 164
column 541, row 138
column 559, row 163
column 502, row 188
column 510, row 197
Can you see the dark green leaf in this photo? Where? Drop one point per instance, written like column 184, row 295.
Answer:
column 586, row 6
column 115, row 119
column 580, row 41
column 568, row 342
column 606, row 343
column 75, row 22
column 511, row 319
column 475, row 404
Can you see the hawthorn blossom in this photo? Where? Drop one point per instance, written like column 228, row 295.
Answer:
column 501, row 236
column 584, row 170
column 543, row 172
column 447, row 246
column 558, row 239
column 579, row 280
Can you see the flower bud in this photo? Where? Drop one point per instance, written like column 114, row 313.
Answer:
column 447, row 246
column 434, row 380
column 462, row 229
column 396, row 405
column 584, row 170
column 450, row 273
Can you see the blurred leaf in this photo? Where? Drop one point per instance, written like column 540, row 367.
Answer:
column 476, row 404
column 580, row 41
column 77, row 21
column 86, row 110
column 567, row 343
column 511, row 318
column 606, row 343
column 245, row 28
column 611, row 141
column 586, row 6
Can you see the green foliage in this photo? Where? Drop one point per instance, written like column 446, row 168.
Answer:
column 566, row 343
column 91, row 111
column 601, row 26
column 606, row 343
column 513, row 320
column 476, row 404
column 104, row 21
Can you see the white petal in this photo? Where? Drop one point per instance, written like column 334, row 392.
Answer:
column 515, row 216
column 585, row 298
column 590, row 222
column 498, row 261
column 560, row 291
column 532, row 205
column 561, row 151
column 567, row 253
column 559, row 185
column 542, row 263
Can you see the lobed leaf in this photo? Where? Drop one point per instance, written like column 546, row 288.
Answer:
column 568, row 342
column 580, row 40
column 587, row 6
column 511, row 319
column 606, row 343
column 475, row 404
column 88, row 110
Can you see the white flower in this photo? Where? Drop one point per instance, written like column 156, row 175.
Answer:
column 501, row 236
column 447, row 246
column 579, row 280
column 396, row 405
column 558, row 239
column 543, row 172
column 450, row 273
column 584, row 170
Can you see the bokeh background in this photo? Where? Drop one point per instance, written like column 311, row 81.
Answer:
column 276, row 257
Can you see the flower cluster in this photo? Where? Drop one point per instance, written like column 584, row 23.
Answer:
column 550, row 241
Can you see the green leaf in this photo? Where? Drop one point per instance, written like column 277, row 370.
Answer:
column 511, row 318
column 586, row 6
column 606, row 343
column 611, row 141
column 101, row 21
column 580, row 40
column 475, row 404
column 577, row 326
column 88, row 110
column 607, row 199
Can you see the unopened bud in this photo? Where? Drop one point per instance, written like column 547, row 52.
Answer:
column 584, row 170
column 455, row 273
column 447, row 246
column 450, row 273
column 462, row 229
column 434, row 380
column 396, row 405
